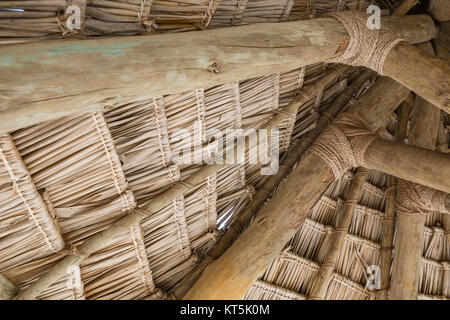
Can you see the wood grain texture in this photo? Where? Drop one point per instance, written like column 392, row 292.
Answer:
column 51, row 79
column 427, row 76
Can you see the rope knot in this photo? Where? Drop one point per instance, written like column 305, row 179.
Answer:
column 414, row 199
column 343, row 143
column 366, row 47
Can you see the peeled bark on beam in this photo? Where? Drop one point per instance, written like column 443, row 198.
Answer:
column 97, row 241
column 232, row 274
column 50, row 79
column 323, row 276
column 266, row 190
column 426, row 75
column 7, row 289
column 388, row 227
column 410, row 228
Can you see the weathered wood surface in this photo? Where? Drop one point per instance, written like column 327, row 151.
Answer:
column 410, row 229
column 50, row 79
column 426, row 75
column 323, row 276
column 232, row 274
column 433, row 170
column 439, row 9
column 388, row 229
column 267, row 189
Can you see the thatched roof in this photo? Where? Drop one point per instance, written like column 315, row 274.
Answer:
column 67, row 179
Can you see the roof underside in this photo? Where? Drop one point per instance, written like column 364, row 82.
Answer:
column 65, row 180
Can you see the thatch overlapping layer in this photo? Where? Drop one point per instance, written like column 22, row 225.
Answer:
column 65, row 180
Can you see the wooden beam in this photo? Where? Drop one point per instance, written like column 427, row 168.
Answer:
column 387, row 233
column 323, row 276
column 232, row 274
column 410, row 228
column 272, row 182
column 426, row 75
column 404, row 7
column 50, row 79
column 439, row 10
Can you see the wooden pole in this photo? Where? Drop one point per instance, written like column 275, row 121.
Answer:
column 267, row 189
column 50, row 79
column 404, row 7
column 97, row 241
column 323, row 277
column 426, row 75
column 232, row 274
column 388, row 230
column 410, row 228
column 7, row 289
column 443, row 147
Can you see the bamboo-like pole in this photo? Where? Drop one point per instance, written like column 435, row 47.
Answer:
column 51, row 79
column 323, row 277
column 410, row 228
column 7, row 289
column 388, row 230
column 97, row 241
column 267, row 189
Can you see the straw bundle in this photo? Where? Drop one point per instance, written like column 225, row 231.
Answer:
column 342, row 288
column 118, row 17
column 433, row 219
column 69, row 287
column 432, row 274
column 262, row 290
column 120, row 270
column 22, row 21
column 435, row 244
column 355, row 256
column 325, row 210
column 173, row 234
column 309, row 239
column 75, row 161
column 372, row 197
column 292, row 272
column 139, row 130
column 27, row 229
column 167, row 243
column 367, row 223
column 182, row 15
column 266, row 11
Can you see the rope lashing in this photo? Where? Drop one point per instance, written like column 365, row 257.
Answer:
column 414, row 199
column 343, row 143
column 366, row 47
